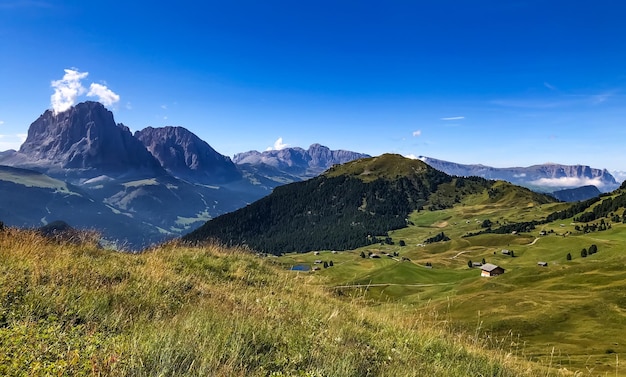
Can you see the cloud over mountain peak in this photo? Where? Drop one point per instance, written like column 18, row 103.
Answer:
column 69, row 89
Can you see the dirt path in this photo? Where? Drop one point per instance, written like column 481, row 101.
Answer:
column 388, row 285
column 534, row 241
column 460, row 253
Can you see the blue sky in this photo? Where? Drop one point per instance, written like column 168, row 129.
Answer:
column 502, row 83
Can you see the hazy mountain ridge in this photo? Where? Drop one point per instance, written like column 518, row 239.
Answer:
column 304, row 163
column 577, row 194
column 544, row 178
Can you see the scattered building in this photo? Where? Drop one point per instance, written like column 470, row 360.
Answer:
column 374, row 256
column 489, row 269
column 506, row 252
column 318, row 261
column 542, row 264
column 476, row 264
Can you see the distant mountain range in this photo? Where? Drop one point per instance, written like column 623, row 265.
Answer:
column 541, row 178
column 297, row 161
column 81, row 167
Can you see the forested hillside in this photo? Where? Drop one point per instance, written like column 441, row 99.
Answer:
column 353, row 205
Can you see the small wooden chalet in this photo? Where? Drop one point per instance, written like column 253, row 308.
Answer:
column 489, row 269
column 542, row 264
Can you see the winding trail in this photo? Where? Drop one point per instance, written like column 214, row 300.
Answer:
column 534, row 241
column 460, row 253
column 387, row 285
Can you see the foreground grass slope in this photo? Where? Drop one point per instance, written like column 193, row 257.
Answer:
column 172, row 311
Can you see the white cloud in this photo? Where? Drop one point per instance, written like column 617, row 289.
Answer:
column 568, row 182
column 278, row 145
column 417, row 133
column 411, row 156
column 549, row 86
column 1, row 122
column 620, row 176
column 104, row 94
column 521, row 175
column 602, row 97
column 452, row 118
column 164, row 107
column 67, row 90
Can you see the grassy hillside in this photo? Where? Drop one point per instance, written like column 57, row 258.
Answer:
column 352, row 205
column 571, row 314
column 180, row 311
column 347, row 208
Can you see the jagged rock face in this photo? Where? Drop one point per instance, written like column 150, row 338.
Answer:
column 549, row 177
column 85, row 137
column 305, row 163
column 185, row 155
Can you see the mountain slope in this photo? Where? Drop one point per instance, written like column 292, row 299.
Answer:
column 352, row 205
column 577, row 194
column 31, row 199
column 544, row 178
column 126, row 193
column 78, row 310
column 186, row 156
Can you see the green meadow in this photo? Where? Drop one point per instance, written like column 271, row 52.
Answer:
column 570, row 315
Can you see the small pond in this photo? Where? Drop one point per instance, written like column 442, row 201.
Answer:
column 301, row 267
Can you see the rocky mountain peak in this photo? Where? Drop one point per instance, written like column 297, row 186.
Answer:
column 297, row 161
column 85, row 137
column 185, row 155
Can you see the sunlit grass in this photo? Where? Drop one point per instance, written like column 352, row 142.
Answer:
column 172, row 311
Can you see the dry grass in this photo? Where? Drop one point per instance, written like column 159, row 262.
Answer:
column 70, row 309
